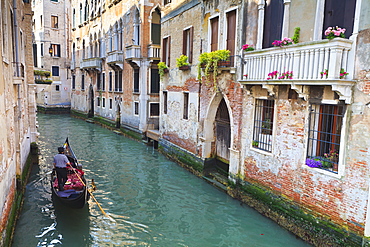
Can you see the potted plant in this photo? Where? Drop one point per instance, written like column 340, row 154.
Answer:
column 255, row 144
column 334, row 32
column 182, row 62
column 162, row 67
column 342, row 73
column 209, row 61
column 247, row 47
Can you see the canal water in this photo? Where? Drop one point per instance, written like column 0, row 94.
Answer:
column 151, row 200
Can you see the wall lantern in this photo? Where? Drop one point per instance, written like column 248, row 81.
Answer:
column 51, row 50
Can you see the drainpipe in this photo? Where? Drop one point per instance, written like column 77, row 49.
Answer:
column 17, row 68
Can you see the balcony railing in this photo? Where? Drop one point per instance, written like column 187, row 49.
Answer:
column 133, row 52
column 305, row 60
column 115, row 58
column 91, row 63
column 18, row 69
column 154, row 52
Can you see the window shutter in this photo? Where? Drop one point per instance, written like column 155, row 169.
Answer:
column 214, row 34
column 190, row 56
column 184, row 43
column 169, row 51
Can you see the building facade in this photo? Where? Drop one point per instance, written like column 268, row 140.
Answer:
column 52, row 54
column 292, row 119
column 115, row 52
column 17, row 102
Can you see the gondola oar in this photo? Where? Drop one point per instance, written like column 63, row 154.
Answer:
column 91, row 194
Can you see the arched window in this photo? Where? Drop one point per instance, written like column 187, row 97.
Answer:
column 156, row 27
column 137, row 28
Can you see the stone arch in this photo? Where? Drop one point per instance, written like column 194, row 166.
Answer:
column 209, row 137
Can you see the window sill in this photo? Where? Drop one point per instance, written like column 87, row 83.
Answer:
column 322, row 171
column 257, row 150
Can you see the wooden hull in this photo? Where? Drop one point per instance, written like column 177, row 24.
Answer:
column 74, row 201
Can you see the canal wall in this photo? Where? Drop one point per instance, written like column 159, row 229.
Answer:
column 15, row 199
column 123, row 129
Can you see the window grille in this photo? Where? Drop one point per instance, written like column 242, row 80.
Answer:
column 324, row 135
column 186, row 106
column 263, row 124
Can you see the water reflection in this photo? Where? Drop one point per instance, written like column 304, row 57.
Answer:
column 153, row 201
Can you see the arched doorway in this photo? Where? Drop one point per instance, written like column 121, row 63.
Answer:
column 118, row 116
column 223, row 140
column 91, row 102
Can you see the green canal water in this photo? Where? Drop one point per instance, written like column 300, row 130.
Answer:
column 153, row 201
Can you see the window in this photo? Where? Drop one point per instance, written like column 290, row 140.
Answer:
column 34, row 46
column 98, row 101
column 154, row 81
column 54, row 21
column 73, row 81
column 165, row 102
column 110, row 81
column 166, row 50
column 103, row 102
column 214, row 34
column 54, row 0
column 186, row 106
column 156, row 27
column 263, row 124
column 110, row 103
column 42, row 49
column 136, row 108
column 324, row 135
column 103, row 81
column 231, row 32
column 74, row 18
column 56, row 50
column 57, row 88
column 98, row 81
column 118, row 79
column 136, row 80
column 187, row 43
column 82, row 82
column 167, row 2
column 55, row 70
column 154, row 109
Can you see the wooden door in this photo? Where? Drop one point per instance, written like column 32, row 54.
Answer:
column 339, row 13
column 273, row 23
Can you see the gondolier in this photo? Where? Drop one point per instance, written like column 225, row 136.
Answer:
column 60, row 163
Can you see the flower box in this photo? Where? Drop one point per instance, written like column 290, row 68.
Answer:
column 184, row 67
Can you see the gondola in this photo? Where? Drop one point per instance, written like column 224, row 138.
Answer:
column 75, row 193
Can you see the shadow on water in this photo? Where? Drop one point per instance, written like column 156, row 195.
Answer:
column 73, row 223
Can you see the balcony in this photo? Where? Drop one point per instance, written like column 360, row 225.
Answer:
column 133, row 53
column 91, row 63
column 312, row 63
column 154, row 52
column 18, row 73
column 115, row 59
